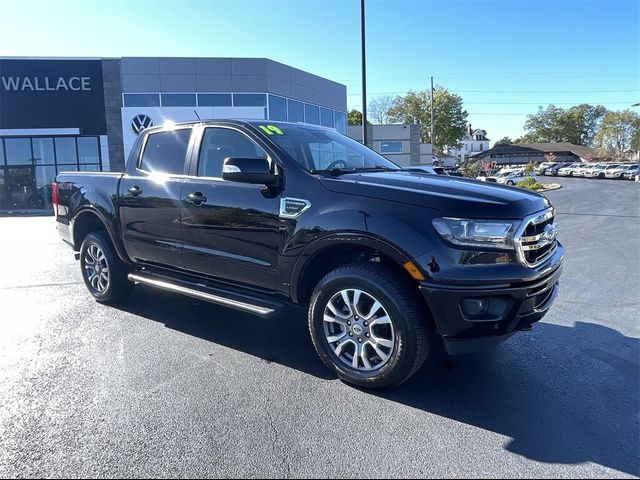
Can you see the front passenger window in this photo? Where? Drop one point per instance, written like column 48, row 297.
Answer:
column 219, row 144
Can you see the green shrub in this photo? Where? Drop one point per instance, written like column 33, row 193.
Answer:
column 530, row 184
column 527, row 182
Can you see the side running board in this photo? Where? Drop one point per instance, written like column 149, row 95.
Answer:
column 265, row 308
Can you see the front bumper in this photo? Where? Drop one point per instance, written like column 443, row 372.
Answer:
column 517, row 307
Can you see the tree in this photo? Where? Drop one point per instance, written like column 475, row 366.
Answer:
column 378, row 110
column 450, row 118
column 504, row 141
column 576, row 125
column 470, row 169
column 354, row 117
column 618, row 133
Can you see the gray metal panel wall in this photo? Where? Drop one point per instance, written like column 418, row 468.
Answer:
column 112, row 103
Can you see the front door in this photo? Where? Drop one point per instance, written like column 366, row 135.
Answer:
column 231, row 230
column 150, row 200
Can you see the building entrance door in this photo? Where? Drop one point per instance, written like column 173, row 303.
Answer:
column 20, row 189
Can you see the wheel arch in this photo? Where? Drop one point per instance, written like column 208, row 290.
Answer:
column 89, row 220
column 336, row 250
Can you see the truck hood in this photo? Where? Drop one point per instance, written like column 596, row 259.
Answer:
column 452, row 196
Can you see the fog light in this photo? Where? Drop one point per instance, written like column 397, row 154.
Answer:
column 474, row 307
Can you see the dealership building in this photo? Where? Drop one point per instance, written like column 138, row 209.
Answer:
column 84, row 114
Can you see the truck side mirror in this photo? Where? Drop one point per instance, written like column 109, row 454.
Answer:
column 256, row 170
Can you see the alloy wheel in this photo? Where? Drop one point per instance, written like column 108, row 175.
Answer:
column 359, row 330
column 96, row 268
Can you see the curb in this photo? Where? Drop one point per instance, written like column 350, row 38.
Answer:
column 549, row 187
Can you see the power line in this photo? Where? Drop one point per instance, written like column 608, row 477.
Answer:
column 508, row 91
column 625, row 75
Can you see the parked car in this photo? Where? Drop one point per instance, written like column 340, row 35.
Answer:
column 580, row 170
column 547, row 167
column 433, row 170
column 632, row 172
column 567, row 171
column 386, row 262
column 618, row 172
column 511, row 177
column 488, row 176
column 538, row 169
column 600, row 170
column 587, row 171
column 552, row 170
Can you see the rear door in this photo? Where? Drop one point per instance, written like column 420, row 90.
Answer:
column 150, row 199
column 231, row 230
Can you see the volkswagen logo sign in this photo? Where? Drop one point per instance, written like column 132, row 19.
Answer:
column 140, row 123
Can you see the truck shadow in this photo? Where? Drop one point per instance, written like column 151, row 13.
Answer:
column 563, row 394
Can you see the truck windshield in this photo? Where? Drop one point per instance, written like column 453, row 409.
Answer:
column 323, row 150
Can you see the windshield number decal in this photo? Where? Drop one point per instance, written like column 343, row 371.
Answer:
column 271, row 130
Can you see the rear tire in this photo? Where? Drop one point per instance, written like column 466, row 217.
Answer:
column 391, row 343
column 509, row 182
column 104, row 274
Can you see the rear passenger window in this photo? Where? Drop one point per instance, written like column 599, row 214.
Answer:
column 219, row 144
column 165, row 152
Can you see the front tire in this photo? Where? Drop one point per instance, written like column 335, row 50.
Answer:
column 369, row 325
column 104, row 274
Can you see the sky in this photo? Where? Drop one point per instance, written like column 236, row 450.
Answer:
column 505, row 58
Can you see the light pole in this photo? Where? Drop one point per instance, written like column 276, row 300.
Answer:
column 637, row 176
column 364, row 76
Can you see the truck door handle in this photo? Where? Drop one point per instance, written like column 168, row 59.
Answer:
column 196, row 198
column 135, row 190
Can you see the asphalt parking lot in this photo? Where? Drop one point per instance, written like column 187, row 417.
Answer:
column 168, row 386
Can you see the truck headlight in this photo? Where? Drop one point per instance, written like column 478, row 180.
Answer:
column 477, row 233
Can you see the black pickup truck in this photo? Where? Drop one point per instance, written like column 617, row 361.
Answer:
column 264, row 216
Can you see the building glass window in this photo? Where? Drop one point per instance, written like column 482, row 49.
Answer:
column 295, row 111
column 165, row 152
column 390, row 147
column 141, row 100
column 88, row 151
column 43, row 151
column 66, row 150
column 249, row 100
column 214, row 99
column 26, row 184
column 311, row 114
column 341, row 122
column 326, row 117
column 277, row 108
column 178, row 99
column 18, row 151
column 44, row 177
column 3, row 188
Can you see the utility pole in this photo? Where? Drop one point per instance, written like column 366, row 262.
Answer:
column 431, row 115
column 364, row 76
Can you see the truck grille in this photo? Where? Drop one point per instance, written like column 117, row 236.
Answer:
column 536, row 239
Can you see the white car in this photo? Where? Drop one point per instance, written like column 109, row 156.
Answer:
column 512, row 177
column 587, row 169
column 632, row 172
column 600, row 171
column 569, row 170
column 618, row 172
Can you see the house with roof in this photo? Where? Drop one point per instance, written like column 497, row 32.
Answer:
column 520, row 153
column 471, row 144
